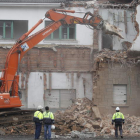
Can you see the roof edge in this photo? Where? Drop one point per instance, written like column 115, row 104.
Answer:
column 30, row 4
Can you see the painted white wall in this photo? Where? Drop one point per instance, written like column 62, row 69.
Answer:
column 136, row 43
column 58, row 81
column 35, row 90
column 108, row 15
column 84, row 35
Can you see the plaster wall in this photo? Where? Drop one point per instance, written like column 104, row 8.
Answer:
column 135, row 45
column 84, row 35
column 34, row 94
column 116, row 17
column 58, row 81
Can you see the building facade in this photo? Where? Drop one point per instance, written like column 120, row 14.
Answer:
column 58, row 69
column 75, row 61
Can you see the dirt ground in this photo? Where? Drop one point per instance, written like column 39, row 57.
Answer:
column 32, row 138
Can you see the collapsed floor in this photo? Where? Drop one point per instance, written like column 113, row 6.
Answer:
column 83, row 117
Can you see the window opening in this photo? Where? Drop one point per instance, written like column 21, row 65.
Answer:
column 64, row 32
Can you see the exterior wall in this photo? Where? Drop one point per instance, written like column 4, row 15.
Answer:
column 45, row 59
column 117, row 75
column 69, row 69
column 58, row 81
column 127, row 25
column 34, row 13
column 135, row 45
column 70, row 66
column 34, row 94
column 40, row 61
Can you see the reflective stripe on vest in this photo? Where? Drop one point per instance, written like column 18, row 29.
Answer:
column 47, row 115
column 119, row 115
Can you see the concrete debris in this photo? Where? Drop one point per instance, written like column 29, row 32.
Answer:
column 126, row 45
column 131, row 126
column 96, row 112
column 101, row 4
column 120, row 56
column 26, row 128
column 112, row 30
column 81, row 115
column 81, row 120
column 2, row 132
column 91, row 4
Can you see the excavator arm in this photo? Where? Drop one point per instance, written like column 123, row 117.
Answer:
column 9, row 79
column 89, row 19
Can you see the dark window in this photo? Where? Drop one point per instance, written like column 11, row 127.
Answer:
column 13, row 29
column 107, row 41
column 64, row 32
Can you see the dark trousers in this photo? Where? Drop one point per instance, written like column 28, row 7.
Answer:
column 38, row 127
column 47, row 131
column 118, row 125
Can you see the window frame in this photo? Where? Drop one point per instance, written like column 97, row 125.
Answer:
column 4, row 29
column 60, row 33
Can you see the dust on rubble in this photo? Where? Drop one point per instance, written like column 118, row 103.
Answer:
column 81, row 119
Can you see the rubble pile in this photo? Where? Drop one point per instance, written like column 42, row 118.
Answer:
column 82, row 119
column 25, row 128
column 81, row 115
column 121, row 57
column 130, row 128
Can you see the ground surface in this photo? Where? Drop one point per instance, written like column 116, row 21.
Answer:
column 32, row 138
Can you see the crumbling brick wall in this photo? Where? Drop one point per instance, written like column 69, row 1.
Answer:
column 115, row 74
column 45, row 59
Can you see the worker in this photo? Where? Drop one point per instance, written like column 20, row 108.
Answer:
column 48, row 119
column 118, row 119
column 38, row 118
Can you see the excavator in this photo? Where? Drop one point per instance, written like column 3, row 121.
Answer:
column 9, row 89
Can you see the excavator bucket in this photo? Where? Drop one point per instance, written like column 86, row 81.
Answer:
column 111, row 29
column 98, row 23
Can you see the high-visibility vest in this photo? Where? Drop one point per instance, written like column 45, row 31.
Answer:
column 48, row 118
column 48, row 115
column 118, row 117
column 38, row 115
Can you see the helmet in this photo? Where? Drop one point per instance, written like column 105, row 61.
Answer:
column 39, row 107
column 53, row 127
column 117, row 108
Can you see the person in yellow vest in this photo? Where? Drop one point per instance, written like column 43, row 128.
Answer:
column 48, row 119
column 118, row 119
column 38, row 118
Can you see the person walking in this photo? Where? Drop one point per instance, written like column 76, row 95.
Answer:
column 48, row 119
column 118, row 119
column 38, row 118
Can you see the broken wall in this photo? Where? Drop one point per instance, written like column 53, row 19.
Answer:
column 55, row 74
column 57, row 86
column 124, row 19
column 113, row 75
column 57, row 56
column 135, row 45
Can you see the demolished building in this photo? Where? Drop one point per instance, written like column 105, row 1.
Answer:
column 74, row 64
